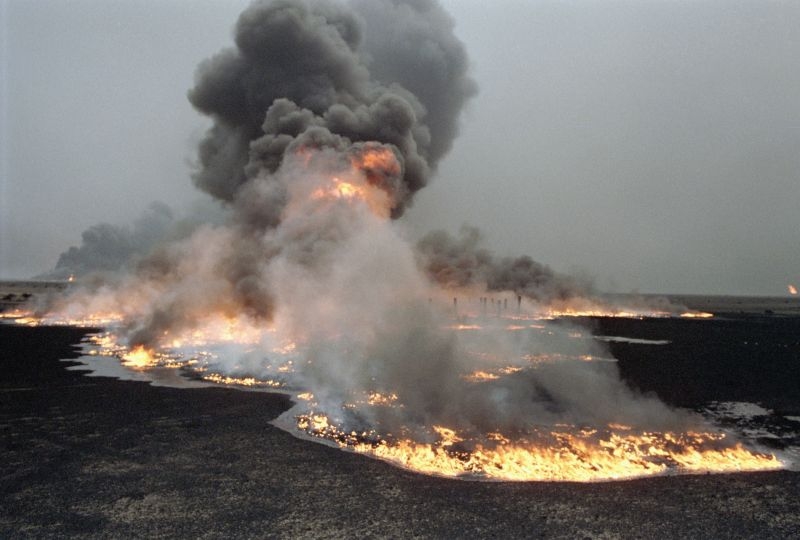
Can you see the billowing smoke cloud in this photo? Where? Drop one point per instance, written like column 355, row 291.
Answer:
column 298, row 86
column 412, row 43
column 300, row 83
column 313, row 74
column 319, row 75
column 463, row 262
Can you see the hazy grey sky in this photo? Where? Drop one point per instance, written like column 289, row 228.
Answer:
column 654, row 145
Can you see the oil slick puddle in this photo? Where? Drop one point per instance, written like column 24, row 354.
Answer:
column 762, row 426
column 637, row 341
column 103, row 366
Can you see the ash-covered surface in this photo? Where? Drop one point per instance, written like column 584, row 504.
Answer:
column 97, row 457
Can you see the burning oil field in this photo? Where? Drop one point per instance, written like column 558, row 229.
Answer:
column 321, row 137
column 520, row 398
column 437, row 356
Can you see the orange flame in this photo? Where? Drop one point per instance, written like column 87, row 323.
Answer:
column 480, row 376
column 355, row 191
column 566, row 453
column 139, row 358
column 340, row 189
column 696, row 315
column 573, row 458
column 377, row 159
column 792, row 289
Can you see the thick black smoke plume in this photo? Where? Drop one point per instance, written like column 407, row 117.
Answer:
column 310, row 85
column 322, row 74
column 309, row 75
column 463, row 262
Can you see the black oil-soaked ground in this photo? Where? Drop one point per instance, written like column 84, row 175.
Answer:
column 733, row 358
column 101, row 458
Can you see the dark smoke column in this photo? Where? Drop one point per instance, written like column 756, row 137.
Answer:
column 320, row 74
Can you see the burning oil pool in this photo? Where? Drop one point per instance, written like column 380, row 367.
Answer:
column 376, row 422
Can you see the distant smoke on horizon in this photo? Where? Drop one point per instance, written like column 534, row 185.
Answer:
column 107, row 247
column 463, row 262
